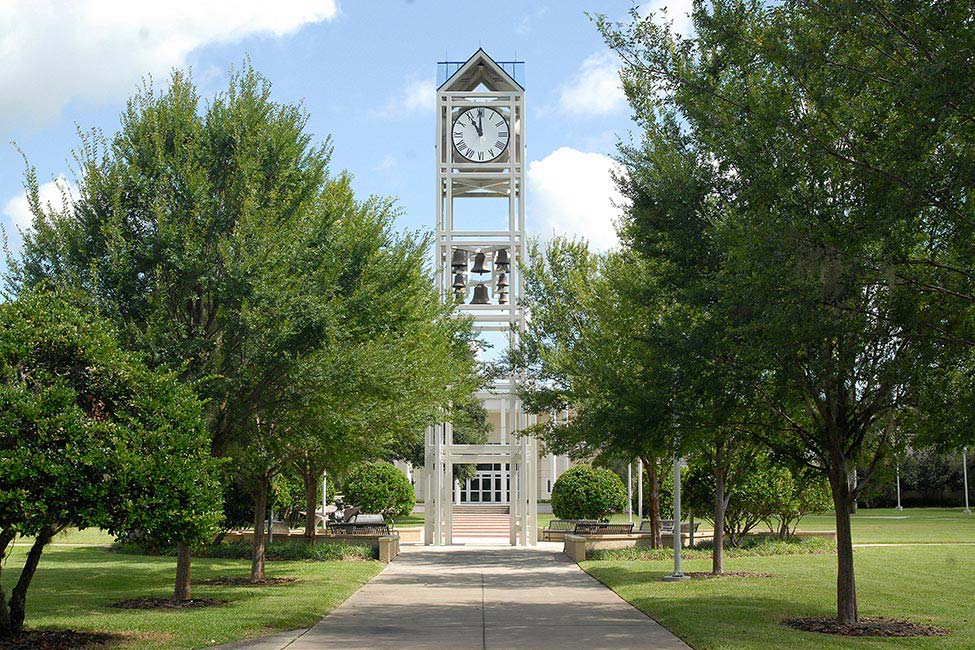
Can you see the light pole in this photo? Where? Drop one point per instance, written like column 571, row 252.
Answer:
column 324, row 498
column 678, row 574
column 964, row 472
column 639, row 490
column 898, row 470
column 629, row 491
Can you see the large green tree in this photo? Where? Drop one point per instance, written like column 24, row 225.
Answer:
column 218, row 242
column 90, row 437
column 824, row 252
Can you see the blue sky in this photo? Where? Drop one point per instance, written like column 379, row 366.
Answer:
column 365, row 71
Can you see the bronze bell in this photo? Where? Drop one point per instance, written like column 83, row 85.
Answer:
column 479, row 264
column 501, row 260
column 480, row 295
column 458, row 261
column 460, row 281
column 503, row 298
column 502, row 280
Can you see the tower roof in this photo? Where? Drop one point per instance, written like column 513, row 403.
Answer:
column 481, row 69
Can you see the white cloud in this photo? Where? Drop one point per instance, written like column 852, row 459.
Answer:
column 573, row 193
column 416, row 96
column 596, row 88
column 678, row 11
column 388, row 163
column 16, row 210
column 54, row 51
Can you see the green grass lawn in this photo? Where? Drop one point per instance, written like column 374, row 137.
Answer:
column 925, row 584
column 73, row 586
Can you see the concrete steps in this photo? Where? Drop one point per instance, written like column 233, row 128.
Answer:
column 482, row 525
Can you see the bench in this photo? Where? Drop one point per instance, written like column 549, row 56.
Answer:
column 602, row 528
column 667, row 526
column 360, row 525
column 557, row 528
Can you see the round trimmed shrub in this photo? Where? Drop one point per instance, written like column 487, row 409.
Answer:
column 585, row 492
column 379, row 488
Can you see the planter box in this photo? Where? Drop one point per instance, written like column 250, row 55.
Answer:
column 385, row 547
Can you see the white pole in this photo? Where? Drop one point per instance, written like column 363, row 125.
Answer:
column 678, row 574
column 899, row 507
column 964, row 471
column 324, row 497
column 629, row 492
column 639, row 490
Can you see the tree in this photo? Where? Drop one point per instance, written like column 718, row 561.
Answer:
column 379, row 487
column 90, row 437
column 221, row 247
column 589, row 348
column 813, row 247
column 586, row 492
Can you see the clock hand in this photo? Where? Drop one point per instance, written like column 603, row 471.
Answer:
column 474, row 124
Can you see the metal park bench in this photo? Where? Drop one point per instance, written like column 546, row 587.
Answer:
column 360, row 525
column 667, row 526
column 557, row 528
column 602, row 528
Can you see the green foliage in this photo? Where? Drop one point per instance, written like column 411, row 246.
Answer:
column 90, row 437
column 379, row 488
column 585, row 492
column 276, row 551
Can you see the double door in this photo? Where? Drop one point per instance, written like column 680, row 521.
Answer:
column 492, row 484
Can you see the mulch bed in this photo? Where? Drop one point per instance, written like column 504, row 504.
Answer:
column 57, row 640
column 245, row 582
column 167, row 603
column 868, row 626
column 727, row 574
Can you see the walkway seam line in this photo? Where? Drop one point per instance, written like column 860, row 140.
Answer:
column 483, row 616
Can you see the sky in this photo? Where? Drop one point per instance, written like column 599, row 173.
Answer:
column 364, row 70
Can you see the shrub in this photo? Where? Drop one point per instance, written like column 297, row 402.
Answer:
column 585, row 492
column 380, row 488
column 277, row 551
column 751, row 546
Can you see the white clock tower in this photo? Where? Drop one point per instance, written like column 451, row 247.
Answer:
column 480, row 242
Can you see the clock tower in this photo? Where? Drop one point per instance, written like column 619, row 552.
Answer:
column 480, row 242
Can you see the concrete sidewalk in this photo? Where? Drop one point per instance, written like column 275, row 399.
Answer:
column 475, row 598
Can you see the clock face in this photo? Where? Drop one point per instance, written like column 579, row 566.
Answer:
column 480, row 134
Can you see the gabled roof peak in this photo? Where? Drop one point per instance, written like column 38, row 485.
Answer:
column 479, row 69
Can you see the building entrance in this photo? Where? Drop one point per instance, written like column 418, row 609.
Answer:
column 491, row 485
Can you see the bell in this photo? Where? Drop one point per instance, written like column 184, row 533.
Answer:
column 459, row 295
column 503, row 298
column 480, row 295
column 460, row 281
column 501, row 260
column 502, row 280
column 458, row 261
column 479, row 264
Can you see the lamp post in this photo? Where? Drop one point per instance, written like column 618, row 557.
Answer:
column 324, row 498
column 964, row 472
column 629, row 492
column 898, row 470
column 678, row 574
column 639, row 490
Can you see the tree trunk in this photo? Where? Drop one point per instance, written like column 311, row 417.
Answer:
column 17, row 609
column 720, row 506
column 257, row 547
column 311, row 504
column 846, row 595
column 6, row 537
column 653, row 477
column 183, row 559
